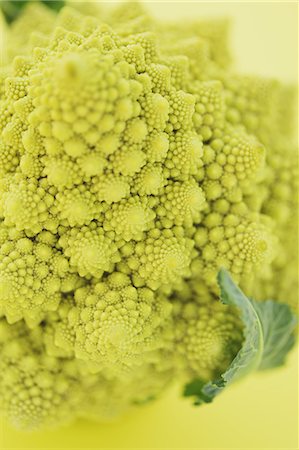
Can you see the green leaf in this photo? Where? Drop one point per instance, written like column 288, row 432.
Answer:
column 196, row 389
column 278, row 325
column 268, row 336
column 13, row 8
column 56, row 5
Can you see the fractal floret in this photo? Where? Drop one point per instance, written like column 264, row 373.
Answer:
column 139, row 176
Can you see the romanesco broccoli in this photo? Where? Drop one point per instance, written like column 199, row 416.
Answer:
column 135, row 166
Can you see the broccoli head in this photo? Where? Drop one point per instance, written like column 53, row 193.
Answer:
column 135, row 167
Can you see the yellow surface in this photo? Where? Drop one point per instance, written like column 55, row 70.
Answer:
column 262, row 411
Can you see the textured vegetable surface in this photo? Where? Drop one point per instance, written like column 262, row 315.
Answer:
column 134, row 166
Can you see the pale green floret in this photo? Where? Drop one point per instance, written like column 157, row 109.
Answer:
column 135, row 131
column 111, row 188
column 27, row 204
column 184, row 155
column 135, row 167
column 129, row 218
column 156, row 111
column 90, row 251
column 209, row 107
column 149, row 180
column 9, row 159
column 181, row 203
column 128, row 161
column 162, row 258
column 108, row 144
column 30, row 280
column 157, row 146
column 75, row 147
column 77, row 206
column 115, row 326
column 91, row 165
column 36, row 389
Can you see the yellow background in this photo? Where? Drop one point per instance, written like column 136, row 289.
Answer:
column 262, row 411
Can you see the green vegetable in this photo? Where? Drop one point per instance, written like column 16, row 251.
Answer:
column 134, row 165
column 268, row 337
